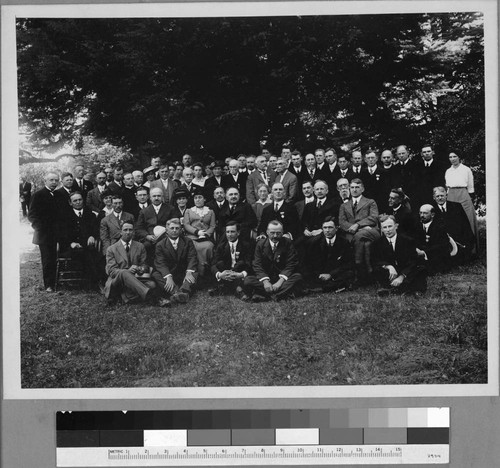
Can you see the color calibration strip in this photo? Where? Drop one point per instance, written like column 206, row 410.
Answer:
column 253, row 437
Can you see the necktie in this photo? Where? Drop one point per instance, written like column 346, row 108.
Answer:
column 318, row 205
column 273, row 246
column 127, row 249
column 51, row 192
column 231, row 209
column 442, row 209
column 81, row 184
column 79, row 214
column 174, row 245
column 276, row 208
column 392, row 244
column 311, row 172
column 355, row 205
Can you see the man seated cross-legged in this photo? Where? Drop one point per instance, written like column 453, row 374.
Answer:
column 275, row 265
column 176, row 265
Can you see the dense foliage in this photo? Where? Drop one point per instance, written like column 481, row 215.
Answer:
column 218, row 86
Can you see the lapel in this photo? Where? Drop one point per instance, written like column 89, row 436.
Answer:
column 114, row 220
column 121, row 251
column 362, row 202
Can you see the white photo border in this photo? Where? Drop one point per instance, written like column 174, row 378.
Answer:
column 10, row 150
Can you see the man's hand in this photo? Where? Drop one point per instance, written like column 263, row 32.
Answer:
column 316, row 232
column 151, row 238
column 397, row 281
column 169, row 284
column 133, row 269
column 202, row 233
column 288, row 235
column 268, row 287
column 262, row 236
column 91, row 242
column 75, row 245
column 227, row 275
column 354, row 228
column 307, row 233
column 420, row 253
column 325, row 277
column 277, row 286
column 392, row 272
column 189, row 277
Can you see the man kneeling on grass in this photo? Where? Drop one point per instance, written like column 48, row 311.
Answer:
column 176, row 265
column 395, row 263
column 128, row 274
column 275, row 264
column 231, row 262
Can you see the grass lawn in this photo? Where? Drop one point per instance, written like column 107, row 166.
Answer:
column 71, row 339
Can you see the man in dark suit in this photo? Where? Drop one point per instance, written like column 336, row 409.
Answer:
column 176, row 265
column 315, row 213
column 235, row 179
column 433, row 245
column 429, row 173
column 156, row 214
column 79, row 237
column 312, row 174
column 332, row 168
column 128, row 193
column 237, row 211
column 128, row 274
column 395, row 261
column 231, row 262
column 45, row 216
column 79, row 183
column 141, row 201
column 94, row 198
column 307, row 197
column 275, row 265
column 345, row 170
column 25, row 195
column 405, row 174
column 358, row 221
column 356, row 164
column 371, row 176
column 456, row 223
column 166, row 184
column 116, row 186
column 279, row 210
column 66, row 189
column 330, row 264
column 260, row 176
column 402, row 214
column 297, row 168
column 188, row 186
column 110, row 229
column 215, row 181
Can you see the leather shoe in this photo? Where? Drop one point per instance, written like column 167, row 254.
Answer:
column 164, row 303
column 384, row 292
column 245, row 298
column 258, row 298
column 180, row 297
column 49, row 289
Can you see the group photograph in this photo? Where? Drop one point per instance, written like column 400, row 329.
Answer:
column 275, row 200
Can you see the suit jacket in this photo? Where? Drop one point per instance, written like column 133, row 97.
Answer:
column 222, row 257
column 136, row 209
column 313, row 217
column 332, row 176
column 111, row 229
column 366, row 214
column 290, row 185
column 45, row 216
column 435, row 242
column 116, row 260
column 210, row 185
column 129, row 200
column 334, row 260
column 300, row 205
column 148, row 220
column 456, row 223
column 405, row 220
column 243, row 214
column 80, row 229
column 115, row 189
column 287, row 215
column 93, row 201
column 65, row 194
column 169, row 261
column 405, row 177
column 283, row 261
column 374, row 186
column 300, row 177
column 428, row 178
column 240, row 183
column 254, row 180
column 87, row 187
column 403, row 257
column 169, row 191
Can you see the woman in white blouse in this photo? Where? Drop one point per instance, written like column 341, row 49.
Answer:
column 460, row 185
column 199, row 225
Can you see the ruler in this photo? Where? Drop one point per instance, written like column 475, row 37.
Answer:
column 265, row 455
column 357, row 436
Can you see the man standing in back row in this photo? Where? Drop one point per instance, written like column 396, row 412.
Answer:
column 46, row 216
